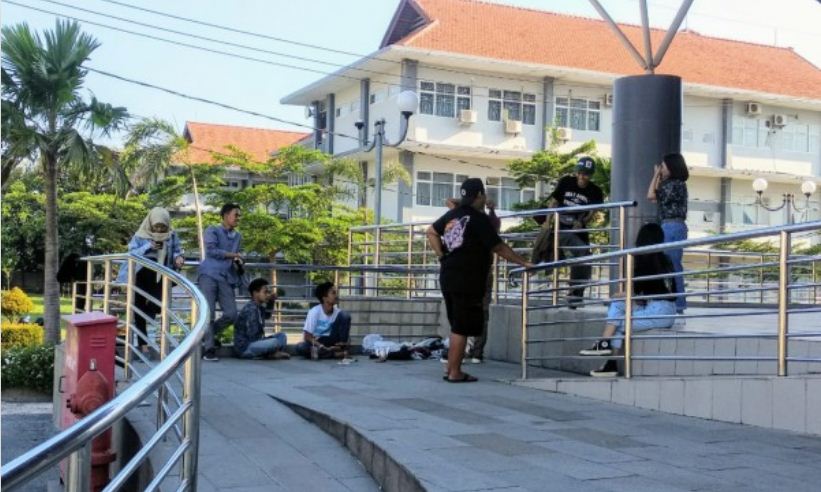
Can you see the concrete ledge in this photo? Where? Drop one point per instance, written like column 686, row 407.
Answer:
column 783, row 403
column 385, row 470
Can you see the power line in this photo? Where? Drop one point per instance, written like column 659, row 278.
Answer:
column 254, row 59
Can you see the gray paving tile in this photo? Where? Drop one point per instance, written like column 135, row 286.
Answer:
column 479, row 459
column 540, row 480
column 500, row 444
column 575, row 467
column 670, row 474
column 541, row 411
column 444, row 411
column 637, row 484
column 599, row 438
column 361, row 484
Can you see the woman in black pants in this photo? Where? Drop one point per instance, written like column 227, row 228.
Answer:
column 154, row 240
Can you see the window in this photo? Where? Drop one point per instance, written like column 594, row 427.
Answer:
column 517, row 105
column 432, row 189
column 754, row 132
column 579, row 114
column 443, row 99
column 506, row 193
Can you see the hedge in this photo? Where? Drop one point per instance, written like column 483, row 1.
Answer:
column 16, row 335
column 15, row 303
column 28, row 367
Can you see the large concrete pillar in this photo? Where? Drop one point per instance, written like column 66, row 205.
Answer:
column 646, row 125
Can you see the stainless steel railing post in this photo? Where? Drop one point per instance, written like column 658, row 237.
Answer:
column 129, row 314
column 525, row 287
column 783, row 300
column 410, row 261
column 165, row 300
column 107, row 286
column 78, row 470
column 89, row 287
column 556, row 224
column 191, row 421
column 628, row 318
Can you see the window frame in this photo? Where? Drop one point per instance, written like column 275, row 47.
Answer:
column 444, row 103
column 584, row 108
column 500, row 100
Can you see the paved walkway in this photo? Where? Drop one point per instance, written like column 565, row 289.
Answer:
column 488, row 435
column 26, row 425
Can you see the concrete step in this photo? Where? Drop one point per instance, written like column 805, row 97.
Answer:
column 784, row 403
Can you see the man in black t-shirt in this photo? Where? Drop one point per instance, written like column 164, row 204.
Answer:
column 464, row 240
column 572, row 191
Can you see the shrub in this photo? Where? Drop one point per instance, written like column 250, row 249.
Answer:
column 28, row 367
column 15, row 304
column 16, row 335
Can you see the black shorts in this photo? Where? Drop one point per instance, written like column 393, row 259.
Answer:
column 465, row 313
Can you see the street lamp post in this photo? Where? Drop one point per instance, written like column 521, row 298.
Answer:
column 407, row 102
column 787, row 199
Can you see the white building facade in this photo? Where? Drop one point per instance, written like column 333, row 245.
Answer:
column 477, row 113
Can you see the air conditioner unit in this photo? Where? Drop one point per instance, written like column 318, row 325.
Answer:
column 608, row 99
column 513, row 126
column 779, row 120
column 564, row 134
column 753, row 108
column 468, row 116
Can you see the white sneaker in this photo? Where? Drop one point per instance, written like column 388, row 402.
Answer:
column 476, row 360
column 443, row 360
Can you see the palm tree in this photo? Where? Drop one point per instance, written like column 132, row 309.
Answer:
column 42, row 81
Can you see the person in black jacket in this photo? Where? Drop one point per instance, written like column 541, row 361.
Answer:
column 250, row 341
column 645, row 312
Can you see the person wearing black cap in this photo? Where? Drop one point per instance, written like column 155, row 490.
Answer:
column 572, row 191
column 464, row 240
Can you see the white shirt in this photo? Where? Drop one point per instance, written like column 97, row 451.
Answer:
column 317, row 323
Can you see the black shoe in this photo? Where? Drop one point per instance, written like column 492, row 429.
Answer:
column 602, row 347
column 210, row 355
column 610, row 369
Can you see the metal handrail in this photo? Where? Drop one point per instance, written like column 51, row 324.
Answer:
column 510, row 215
column 656, row 248
column 784, row 288
column 78, row 437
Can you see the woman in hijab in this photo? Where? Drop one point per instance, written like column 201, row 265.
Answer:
column 154, row 240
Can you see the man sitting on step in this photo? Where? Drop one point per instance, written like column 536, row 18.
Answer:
column 250, row 341
column 327, row 328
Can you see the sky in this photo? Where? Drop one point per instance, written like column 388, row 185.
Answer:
column 356, row 26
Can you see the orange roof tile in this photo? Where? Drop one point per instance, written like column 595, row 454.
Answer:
column 477, row 28
column 258, row 142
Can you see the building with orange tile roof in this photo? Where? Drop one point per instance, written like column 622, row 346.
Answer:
column 491, row 78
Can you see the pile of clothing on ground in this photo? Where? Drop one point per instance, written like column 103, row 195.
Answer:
column 377, row 347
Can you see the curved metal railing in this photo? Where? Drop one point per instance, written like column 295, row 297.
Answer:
column 543, row 299
column 406, row 244
column 178, row 367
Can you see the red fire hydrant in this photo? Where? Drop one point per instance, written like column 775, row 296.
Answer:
column 94, row 390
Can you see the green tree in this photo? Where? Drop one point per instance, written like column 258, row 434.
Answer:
column 43, row 78
column 303, row 223
column 89, row 223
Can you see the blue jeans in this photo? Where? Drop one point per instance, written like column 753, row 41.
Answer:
column 642, row 317
column 266, row 346
column 339, row 333
column 676, row 231
column 221, row 291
